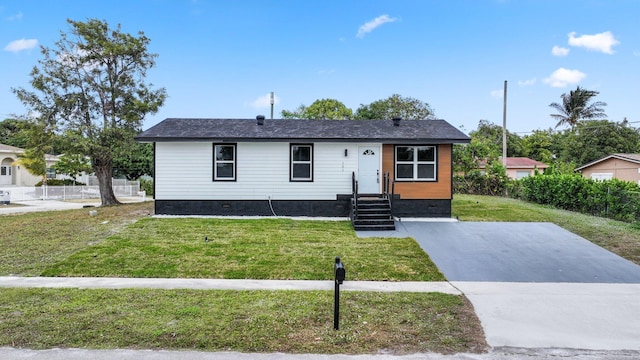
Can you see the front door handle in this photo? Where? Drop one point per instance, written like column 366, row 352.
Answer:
column 378, row 176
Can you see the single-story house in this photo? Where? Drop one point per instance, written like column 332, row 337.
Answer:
column 520, row 167
column 12, row 174
column 620, row 166
column 301, row 167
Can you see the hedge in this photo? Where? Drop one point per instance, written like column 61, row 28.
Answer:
column 614, row 198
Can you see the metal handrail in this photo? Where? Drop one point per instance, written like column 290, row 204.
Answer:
column 386, row 184
column 387, row 195
column 393, row 193
column 354, row 193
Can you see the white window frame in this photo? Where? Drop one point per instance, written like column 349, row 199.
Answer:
column 49, row 173
column 233, row 162
column 601, row 176
column 292, row 163
column 415, row 162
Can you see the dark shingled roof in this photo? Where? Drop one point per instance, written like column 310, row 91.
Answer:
column 409, row 131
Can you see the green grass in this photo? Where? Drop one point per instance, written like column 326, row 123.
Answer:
column 110, row 244
column 29, row 242
column 72, row 243
column 248, row 321
column 247, row 249
column 616, row 236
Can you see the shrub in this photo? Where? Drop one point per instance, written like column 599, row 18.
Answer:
column 146, row 185
column 494, row 182
column 614, row 198
column 58, row 182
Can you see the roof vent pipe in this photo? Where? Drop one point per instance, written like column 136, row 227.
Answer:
column 260, row 119
column 396, row 121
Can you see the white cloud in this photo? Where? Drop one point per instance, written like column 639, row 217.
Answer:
column 373, row 24
column 497, row 93
column 559, row 51
column 563, row 77
column 602, row 42
column 528, row 82
column 22, row 44
column 17, row 16
column 263, row 101
column 636, row 53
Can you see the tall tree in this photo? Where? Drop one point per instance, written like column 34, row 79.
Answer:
column 39, row 139
column 575, row 106
column 493, row 133
column 592, row 140
column 329, row 109
column 14, row 132
column 72, row 165
column 395, row 105
column 467, row 157
column 298, row 113
column 539, row 146
column 90, row 88
column 137, row 161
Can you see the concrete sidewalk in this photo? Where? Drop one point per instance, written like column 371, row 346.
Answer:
column 223, row 284
column 557, row 315
column 43, row 205
column 494, row 354
column 20, row 207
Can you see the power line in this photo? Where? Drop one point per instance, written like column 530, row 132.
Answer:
column 585, row 127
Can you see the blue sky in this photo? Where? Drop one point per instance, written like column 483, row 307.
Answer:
column 221, row 59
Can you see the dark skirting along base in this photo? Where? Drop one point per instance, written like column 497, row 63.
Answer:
column 325, row 208
column 313, row 208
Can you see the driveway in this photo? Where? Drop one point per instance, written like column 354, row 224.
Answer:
column 518, row 252
column 535, row 285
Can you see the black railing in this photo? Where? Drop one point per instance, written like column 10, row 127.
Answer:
column 389, row 189
column 386, row 185
column 354, row 193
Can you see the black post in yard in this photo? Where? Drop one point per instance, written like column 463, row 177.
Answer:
column 339, row 273
column 336, row 307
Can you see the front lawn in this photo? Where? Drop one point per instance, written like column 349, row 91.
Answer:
column 247, row 321
column 30, row 242
column 112, row 243
column 247, row 249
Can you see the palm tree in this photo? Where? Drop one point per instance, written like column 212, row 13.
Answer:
column 575, row 107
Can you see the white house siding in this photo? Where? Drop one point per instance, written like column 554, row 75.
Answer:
column 184, row 171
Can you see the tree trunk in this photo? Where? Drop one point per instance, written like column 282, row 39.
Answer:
column 104, row 172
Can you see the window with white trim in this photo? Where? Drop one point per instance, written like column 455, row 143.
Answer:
column 224, row 162
column 301, row 168
column 416, row 163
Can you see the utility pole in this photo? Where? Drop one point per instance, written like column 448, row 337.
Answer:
column 271, row 100
column 504, row 127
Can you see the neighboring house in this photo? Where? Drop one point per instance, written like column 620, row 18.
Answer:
column 301, row 167
column 14, row 174
column 520, row 167
column 619, row 166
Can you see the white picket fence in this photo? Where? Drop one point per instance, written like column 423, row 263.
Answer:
column 121, row 188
